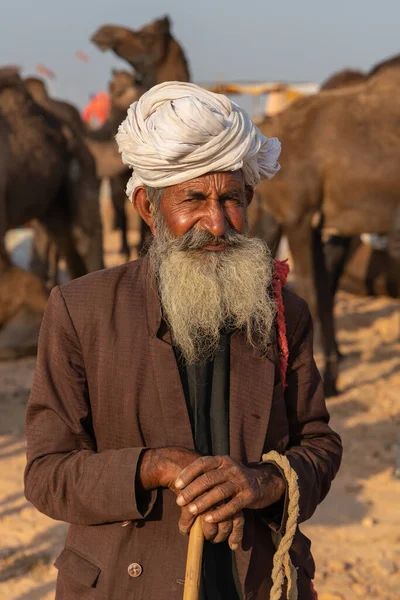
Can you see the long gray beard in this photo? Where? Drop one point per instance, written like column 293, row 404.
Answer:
column 202, row 292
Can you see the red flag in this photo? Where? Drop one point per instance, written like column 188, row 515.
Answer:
column 96, row 111
column 82, row 56
column 43, row 70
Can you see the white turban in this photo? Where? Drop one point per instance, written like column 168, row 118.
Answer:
column 178, row 131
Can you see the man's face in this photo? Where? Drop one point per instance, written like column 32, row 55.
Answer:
column 210, row 273
column 215, row 202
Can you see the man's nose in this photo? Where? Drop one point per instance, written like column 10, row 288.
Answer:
column 215, row 220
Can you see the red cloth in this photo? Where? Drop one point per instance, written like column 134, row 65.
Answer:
column 279, row 279
column 314, row 591
column 98, row 108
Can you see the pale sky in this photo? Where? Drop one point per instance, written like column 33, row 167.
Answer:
column 288, row 40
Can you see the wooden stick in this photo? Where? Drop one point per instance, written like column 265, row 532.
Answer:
column 193, row 562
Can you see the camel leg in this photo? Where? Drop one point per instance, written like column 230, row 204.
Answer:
column 312, row 283
column 272, row 234
column 118, row 198
column 60, row 230
column 263, row 224
column 337, row 253
column 45, row 257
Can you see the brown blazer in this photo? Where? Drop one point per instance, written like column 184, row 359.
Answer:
column 106, row 386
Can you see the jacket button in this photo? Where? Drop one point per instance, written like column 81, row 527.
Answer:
column 135, row 570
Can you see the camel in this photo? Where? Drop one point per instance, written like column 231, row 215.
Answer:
column 340, row 151
column 156, row 57
column 152, row 51
column 46, row 173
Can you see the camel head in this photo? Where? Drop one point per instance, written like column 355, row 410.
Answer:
column 124, row 89
column 109, row 37
column 37, row 89
column 121, row 80
column 142, row 49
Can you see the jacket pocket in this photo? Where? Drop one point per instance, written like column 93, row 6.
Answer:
column 76, row 567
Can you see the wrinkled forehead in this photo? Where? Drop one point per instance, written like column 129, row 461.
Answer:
column 218, row 181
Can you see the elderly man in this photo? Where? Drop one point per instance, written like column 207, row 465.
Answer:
column 161, row 384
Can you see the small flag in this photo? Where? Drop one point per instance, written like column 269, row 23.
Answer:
column 80, row 55
column 43, row 70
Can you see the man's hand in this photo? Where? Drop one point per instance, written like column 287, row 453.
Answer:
column 231, row 529
column 220, row 481
column 160, row 467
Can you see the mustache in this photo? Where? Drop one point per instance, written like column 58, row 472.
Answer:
column 197, row 239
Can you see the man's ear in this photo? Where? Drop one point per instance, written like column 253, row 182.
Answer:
column 249, row 193
column 142, row 206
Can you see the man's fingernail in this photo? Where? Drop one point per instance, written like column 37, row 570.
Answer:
column 209, row 519
column 193, row 509
column 180, row 500
column 234, row 546
column 179, row 484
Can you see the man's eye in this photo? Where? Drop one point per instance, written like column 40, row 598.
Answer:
column 233, row 200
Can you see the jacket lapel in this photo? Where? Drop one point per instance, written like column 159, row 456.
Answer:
column 173, row 404
column 251, row 390
column 175, row 415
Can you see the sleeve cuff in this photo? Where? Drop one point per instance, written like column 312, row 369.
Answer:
column 144, row 500
column 275, row 515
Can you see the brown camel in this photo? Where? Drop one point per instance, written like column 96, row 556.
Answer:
column 46, row 173
column 340, row 156
column 152, row 51
column 156, row 57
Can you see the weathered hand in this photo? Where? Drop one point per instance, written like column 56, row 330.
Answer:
column 231, row 529
column 161, row 466
column 211, row 480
